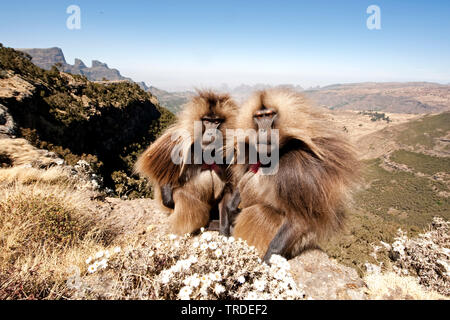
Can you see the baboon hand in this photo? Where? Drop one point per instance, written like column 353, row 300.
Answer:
column 167, row 196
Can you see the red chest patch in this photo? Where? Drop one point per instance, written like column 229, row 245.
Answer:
column 255, row 167
column 213, row 167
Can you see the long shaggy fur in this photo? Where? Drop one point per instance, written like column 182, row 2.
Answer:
column 195, row 191
column 317, row 169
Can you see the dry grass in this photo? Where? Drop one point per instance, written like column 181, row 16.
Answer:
column 18, row 152
column 46, row 227
column 391, row 286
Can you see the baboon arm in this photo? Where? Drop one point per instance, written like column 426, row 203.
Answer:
column 228, row 210
column 282, row 243
column 233, row 205
column 224, row 221
column 167, row 196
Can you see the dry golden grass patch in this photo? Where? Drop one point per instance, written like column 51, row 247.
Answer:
column 46, row 228
column 20, row 152
column 391, row 286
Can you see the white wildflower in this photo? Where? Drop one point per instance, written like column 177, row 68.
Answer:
column 259, row 285
column 231, row 239
column 276, row 259
column 166, row 276
column 193, row 259
column 92, row 268
column 252, row 296
column 216, row 276
column 196, row 244
column 218, row 289
column 103, row 263
column 116, row 249
column 218, row 253
column 151, row 253
column 280, row 274
column 241, row 279
column 203, row 246
column 207, row 236
column 213, row 245
column 205, row 280
column 89, row 260
column 172, row 236
column 185, row 264
column 185, row 293
column 202, row 229
column 99, row 254
column 194, row 281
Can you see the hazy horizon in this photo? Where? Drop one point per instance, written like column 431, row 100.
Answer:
column 180, row 45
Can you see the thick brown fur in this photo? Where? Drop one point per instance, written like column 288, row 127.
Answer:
column 195, row 191
column 309, row 193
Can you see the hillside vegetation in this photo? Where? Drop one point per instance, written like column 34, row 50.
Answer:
column 105, row 124
column 405, row 186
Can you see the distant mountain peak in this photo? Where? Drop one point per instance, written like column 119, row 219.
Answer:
column 46, row 58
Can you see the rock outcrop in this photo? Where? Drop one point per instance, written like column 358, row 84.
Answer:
column 47, row 58
column 7, row 125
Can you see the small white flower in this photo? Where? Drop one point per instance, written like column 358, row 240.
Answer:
column 213, row 245
column 275, row 259
column 192, row 281
column 218, row 289
column 185, row 264
column 202, row 229
column 216, row 276
column 260, row 285
column 92, row 268
column 151, row 253
column 218, row 253
column 185, row 293
column 107, row 254
column 204, row 246
column 241, row 279
column 176, row 244
column 99, row 254
column 280, row 274
column 193, row 259
column 207, row 236
column 172, row 236
column 196, row 244
column 116, row 250
column 252, row 296
column 88, row 260
column 231, row 239
column 103, row 263
column 166, row 276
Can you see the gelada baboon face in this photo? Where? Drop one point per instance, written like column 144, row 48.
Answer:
column 213, row 113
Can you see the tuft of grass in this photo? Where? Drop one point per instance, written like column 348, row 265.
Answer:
column 390, row 286
column 45, row 230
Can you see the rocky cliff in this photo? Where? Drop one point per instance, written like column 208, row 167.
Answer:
column 106, row 124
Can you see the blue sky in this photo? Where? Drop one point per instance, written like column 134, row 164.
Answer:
column 179, row 44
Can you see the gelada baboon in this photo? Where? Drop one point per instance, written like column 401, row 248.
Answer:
column 186, row 185
column 304, row 200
